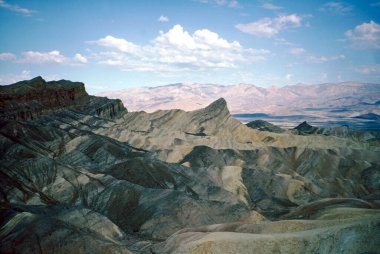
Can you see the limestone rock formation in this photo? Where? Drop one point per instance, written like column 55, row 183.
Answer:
column 82, row 174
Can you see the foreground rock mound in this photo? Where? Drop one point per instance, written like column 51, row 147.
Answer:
column 82, row 174
column 326, row 233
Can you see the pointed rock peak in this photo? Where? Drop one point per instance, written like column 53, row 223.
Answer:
column 218, row 104
column 37, row 79
column 37, row 82
column 303, row 125
column 218, row 107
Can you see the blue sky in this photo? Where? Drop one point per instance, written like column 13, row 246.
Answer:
column 121, row 44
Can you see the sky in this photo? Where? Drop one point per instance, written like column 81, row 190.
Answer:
column 111, row 45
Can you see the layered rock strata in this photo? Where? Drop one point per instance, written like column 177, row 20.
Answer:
column 84, row 175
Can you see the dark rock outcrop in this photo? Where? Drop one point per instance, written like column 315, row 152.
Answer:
column 103, row 107
column 264, row 126
column 305, row 128
column 27, row 100
column 373, row 137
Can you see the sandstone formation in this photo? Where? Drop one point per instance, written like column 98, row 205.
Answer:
column 81, row 174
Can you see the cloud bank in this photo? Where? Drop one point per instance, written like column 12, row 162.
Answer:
column 176, row 50
column 44, row 57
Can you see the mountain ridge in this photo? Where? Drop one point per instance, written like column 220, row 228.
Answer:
column 28, row 99
column 246, row 98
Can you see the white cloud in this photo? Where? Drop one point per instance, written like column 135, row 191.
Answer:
column 16, row 8
column 365, row 35
column 7, row 56
column 178, row 50
column 368, row 69
column 339, row 57
column 163, row 19
column 296, row 51
column 315, row 59
column 79, row 58
column 324, row 59
column 234, row 4
column 228, row 3
column 270, row 6
column 288, row 76
column 49, row 57
column 112, row 42
column 42, row 57
column 220, row 2
column 282, row 41
column 338, row 8
column 177, row 37
column 267, row 27
column 376, row 4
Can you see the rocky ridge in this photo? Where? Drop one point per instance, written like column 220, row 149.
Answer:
column 80, row 179
column 27, row 100
column 264, row 126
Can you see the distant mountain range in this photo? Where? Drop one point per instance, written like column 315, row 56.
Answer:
column 344, row 99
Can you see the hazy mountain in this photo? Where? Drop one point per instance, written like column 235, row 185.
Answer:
column 348, row 98
column 81, row 174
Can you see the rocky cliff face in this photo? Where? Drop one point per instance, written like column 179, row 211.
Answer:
column 102, row 107
column 90, row 177
column 27, row 100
